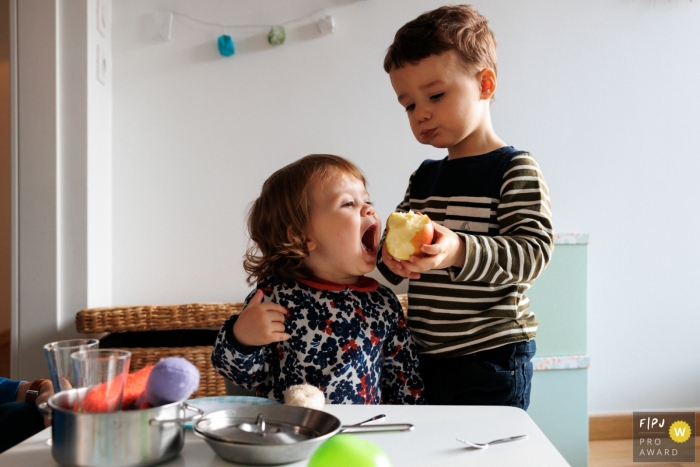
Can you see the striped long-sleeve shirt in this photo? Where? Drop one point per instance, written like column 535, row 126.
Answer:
column 499, row 204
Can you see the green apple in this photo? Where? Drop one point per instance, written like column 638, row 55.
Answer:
column 349, row 451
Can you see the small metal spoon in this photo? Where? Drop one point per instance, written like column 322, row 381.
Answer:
column 363, row 428
column 496, row 441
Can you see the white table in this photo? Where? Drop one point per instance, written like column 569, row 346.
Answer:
column 432, row 443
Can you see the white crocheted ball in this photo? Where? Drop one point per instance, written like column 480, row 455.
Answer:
column 305, row 395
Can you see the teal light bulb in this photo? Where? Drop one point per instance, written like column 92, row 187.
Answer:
column 226, row 47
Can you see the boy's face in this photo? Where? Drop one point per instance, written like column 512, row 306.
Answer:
column 344, row 230
column 446, row 103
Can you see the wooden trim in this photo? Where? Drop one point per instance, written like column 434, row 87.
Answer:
column 5, row 337
column 610, row 426
column 615, row 426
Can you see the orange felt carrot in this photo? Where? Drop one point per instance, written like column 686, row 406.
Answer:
column 103, row 396
column 135, row 386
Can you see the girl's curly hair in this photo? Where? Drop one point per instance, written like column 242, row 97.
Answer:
column 279, row 218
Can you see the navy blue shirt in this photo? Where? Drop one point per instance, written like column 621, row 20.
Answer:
column 8, row 390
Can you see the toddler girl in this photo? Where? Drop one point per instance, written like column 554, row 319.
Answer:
column 314, row 318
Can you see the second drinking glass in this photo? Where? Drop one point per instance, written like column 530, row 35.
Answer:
column 101, row 375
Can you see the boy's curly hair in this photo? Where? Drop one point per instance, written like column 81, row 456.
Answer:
column 279, row 219
column 459, row 27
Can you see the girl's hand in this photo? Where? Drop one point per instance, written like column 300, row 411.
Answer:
column 260, row 323
column 447, row 250
column 396, row 266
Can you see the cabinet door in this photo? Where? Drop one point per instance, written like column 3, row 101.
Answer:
column 559, row 398
column 558, row 299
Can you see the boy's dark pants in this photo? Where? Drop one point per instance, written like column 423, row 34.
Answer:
column 499, row 376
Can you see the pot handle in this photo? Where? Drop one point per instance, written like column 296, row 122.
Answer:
column 186, row 406
column 389, row 428
column 44, row 409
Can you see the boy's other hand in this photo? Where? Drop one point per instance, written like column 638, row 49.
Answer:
column 260, row 323
column 45, row 391
column 396, row 266
column 447, row 250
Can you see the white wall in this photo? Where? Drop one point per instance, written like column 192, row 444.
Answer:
column 84, row 164
column 605, row 95
column 62, row 174
column 99, row 153
column 35, row 321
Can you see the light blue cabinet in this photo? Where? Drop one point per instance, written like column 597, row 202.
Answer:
column 559, row 398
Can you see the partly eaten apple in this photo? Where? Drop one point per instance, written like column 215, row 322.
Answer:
column 406, row 233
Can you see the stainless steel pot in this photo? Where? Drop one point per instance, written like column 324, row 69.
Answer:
column 275, row 434
column 130, row 438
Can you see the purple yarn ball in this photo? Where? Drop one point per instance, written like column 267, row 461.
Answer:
column 172, row 379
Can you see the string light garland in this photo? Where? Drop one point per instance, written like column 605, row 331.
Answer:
column 163, row 23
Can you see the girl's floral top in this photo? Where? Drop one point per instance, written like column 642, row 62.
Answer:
column 350, row 341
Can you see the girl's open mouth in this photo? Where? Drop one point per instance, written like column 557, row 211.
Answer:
column 368, row 239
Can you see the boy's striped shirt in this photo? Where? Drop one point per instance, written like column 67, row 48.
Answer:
column 499, row 203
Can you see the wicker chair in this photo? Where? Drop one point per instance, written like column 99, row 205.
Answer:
column 148, row 332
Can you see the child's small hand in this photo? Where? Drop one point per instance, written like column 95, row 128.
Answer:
column 260, row 323
column 447, row 250
column 396, row 266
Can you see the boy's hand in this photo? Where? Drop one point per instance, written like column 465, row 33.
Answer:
column 396, row 266
column 260, row 323
column 45, row 391
column 447, row 250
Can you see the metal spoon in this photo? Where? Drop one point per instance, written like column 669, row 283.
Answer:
column 363, row 428
column 373, row 419
column 496, row 441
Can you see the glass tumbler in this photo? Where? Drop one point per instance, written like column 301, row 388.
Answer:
column 103, row 374
column 60, row 366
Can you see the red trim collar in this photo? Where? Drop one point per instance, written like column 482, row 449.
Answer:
column 365, row 284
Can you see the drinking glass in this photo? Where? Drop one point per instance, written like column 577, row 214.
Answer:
column 60, row 366
column 103, row 372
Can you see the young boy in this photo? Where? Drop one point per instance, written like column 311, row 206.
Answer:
column 490, row 205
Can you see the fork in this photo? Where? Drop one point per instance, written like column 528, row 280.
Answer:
column 496, row 441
